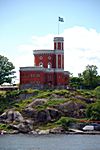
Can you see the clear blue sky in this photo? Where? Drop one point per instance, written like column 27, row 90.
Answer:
column 21, row 19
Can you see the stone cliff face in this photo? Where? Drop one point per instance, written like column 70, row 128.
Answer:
column 45, row 110
column 29, row 117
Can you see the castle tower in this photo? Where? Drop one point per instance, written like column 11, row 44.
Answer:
column 48, row 70
column 59, row 51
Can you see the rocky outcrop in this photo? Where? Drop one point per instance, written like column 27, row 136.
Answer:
column 23, row 127
column 30, row 112
column 54, row 114
column 42, row 116
column 37, row 102
column 57, row 130
column 11, row 116
column 40, row 111
column 71, row 109
column 87, row 100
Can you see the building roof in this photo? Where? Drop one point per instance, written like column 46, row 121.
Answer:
column 45, row 51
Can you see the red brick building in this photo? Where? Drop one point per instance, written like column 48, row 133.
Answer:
column 48, row 70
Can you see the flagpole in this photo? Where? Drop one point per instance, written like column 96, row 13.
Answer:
column 58, row 25
column 59, row 20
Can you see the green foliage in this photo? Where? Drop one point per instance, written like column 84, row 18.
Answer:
column 50, row 103
column 44, row 94
column 2, row 93
column 76, row 82
column 22, row 104
column 97, row 92
column 12, row 94
column 64, row 93
column 4, row 127
column 90, row 78
column 93, row 111
column 65, row 122
column 47, row 126
column 61, row 92
column 30, row 91
column 86, row 93
column 55, row 102
column 4, row 104
column 6, row 70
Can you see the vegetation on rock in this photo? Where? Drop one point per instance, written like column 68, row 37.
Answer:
column 52, row 108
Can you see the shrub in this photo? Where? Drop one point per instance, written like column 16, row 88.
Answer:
column 93, row 111
column 4, row 127
column 97, row 92
column 65, row 122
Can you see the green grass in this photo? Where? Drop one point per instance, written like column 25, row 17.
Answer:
column 44, row 94
column 22, row 104
column 86, row 93
column 4, row 127
column 61, row 92
column 2, row 93
column 50, row 103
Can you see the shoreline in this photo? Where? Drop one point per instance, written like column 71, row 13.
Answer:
column 50, row 133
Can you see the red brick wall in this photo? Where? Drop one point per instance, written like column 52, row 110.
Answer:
column 59, row 61
column 45, row 59
column 60, row 79
column 27, row 77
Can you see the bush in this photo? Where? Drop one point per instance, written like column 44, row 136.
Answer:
column 97, row 92
column 65, row 122
column 4, row 127
column 93, row 111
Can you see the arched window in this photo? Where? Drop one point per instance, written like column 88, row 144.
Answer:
column 49, row 65
column 41, row 64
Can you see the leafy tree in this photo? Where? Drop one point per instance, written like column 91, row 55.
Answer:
column 76, row 82
column 6, row 70
column 90, row 76
column 93, row 111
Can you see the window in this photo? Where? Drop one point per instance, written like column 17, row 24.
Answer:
column 59, row 45
column 54, row 45
column 41, row 64
column 49, row 65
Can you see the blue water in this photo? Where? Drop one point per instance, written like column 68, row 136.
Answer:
column 49, row 142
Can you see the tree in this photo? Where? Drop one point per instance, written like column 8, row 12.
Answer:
column 6, row 70
column 93, row 111
column 90, row 76
column 76, row 82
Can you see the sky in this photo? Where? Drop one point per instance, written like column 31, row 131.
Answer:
column 26, row 25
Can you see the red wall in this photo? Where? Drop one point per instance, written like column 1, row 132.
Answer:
column 59, row 61
column 27, row 77
column 46, row 58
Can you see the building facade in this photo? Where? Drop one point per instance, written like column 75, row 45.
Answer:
column 48, row 70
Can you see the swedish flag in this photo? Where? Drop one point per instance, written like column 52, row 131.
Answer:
column 61, row 19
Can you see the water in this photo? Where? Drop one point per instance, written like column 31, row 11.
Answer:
column 49, row 142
